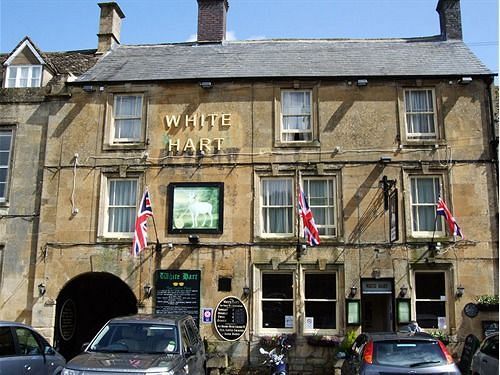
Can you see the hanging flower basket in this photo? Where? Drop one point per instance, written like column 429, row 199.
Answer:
column 328, row 341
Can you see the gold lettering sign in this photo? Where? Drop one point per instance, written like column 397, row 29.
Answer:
column 196, row 121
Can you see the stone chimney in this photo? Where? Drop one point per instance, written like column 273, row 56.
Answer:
column 450, row 19
column 110, row 23
column 212, row 20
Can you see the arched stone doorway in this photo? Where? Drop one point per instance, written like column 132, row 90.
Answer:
column 83, row 306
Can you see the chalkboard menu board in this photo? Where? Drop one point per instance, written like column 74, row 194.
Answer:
column 177, row 292
column 470, row 346
column 231, row 318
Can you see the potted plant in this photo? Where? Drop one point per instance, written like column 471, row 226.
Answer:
column 487, row 302
column 321, row 340
column 440, row 335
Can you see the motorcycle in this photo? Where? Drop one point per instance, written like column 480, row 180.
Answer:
column 276, row 358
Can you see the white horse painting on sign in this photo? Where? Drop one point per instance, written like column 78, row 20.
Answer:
column 194, row 208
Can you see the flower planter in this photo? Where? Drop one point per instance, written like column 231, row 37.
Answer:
column 487, row 306
column 326, row 341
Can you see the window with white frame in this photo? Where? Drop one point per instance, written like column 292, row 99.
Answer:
column 321, row 196
column 24, row 76
column 430, row 299
column 420, row 114
column 277, row 300
column 289, row 301
column 128, row 122
column 277, row 206
column 296, row 116
column 120, row 210
column 425, row 191
column 5, row 155
column 320, row 301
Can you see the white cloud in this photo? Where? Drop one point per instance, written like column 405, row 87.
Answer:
column 257, row 37
column 230, row 35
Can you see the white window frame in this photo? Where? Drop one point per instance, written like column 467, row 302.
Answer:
column 331, row 207
column 104, row 206
column 16, row 81
column 323, row 331
column 9, row 133
column 298, row 275
column 309, row 131
column 439, row 223
column 141, row 119
column 412, row 135
column 265, row 208
column 445, row 300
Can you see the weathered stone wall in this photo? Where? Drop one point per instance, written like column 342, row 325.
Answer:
column 357, row 125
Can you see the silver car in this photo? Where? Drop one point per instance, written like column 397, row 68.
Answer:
column 143, row 344
column 398, row 353
column 25, row 351
column 485, row 360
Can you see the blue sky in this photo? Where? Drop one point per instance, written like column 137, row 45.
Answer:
column 62, row 25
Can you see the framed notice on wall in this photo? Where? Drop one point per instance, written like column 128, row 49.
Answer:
column 195, row 207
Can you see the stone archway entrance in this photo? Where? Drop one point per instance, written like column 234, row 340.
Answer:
column 85, row 304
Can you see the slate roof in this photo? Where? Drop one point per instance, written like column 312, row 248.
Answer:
column 430, row 56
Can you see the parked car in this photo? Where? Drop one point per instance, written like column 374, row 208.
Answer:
column 398, row 353
column 485, row 360
column 143, row 344
column 25, row 351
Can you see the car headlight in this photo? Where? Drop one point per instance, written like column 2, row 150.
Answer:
column 68, row 371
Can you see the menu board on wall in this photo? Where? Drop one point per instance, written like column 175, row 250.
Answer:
column 177, row 292
column 231, row 318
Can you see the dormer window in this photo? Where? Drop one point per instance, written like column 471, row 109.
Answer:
column 24, row 67
column 24, row 76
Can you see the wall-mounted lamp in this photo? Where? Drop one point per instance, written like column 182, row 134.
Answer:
column 206, row 84
column 147, row 290
column 460, row 291
column 353, row 292
column 465, row 80
column 246, row 291
column 42, row 289
column 362, row 82
column 194, row 239
column 301, row 250
column 402, row 291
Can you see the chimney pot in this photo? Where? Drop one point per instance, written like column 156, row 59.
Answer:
column 110, row 22
column 212, row 20
column 450, row 19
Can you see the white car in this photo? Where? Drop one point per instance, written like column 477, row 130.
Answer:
column 485, row 361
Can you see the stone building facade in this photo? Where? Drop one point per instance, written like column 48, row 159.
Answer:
column 223, row 135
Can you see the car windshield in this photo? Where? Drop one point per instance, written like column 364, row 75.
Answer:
column 137, row 337
column 408, row 353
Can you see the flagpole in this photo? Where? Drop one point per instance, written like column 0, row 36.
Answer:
column 297, row 192
column 158, row 244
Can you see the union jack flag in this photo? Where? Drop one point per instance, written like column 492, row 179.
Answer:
column 311, row 233
column 141, row 224
column 442, row 209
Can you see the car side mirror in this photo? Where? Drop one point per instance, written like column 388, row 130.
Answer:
column 49, row 350
column 84, row 346
column 188, row 353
